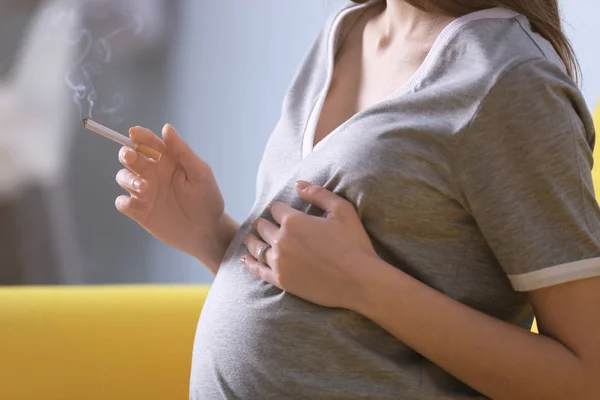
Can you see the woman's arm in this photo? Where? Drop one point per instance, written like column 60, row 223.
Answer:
column 498, row 359
column 217, row 244
column 331, row 262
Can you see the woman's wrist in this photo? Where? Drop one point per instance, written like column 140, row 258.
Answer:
column 212, row 245
column 375, row 277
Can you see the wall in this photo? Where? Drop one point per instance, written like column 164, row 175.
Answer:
column 581, row 22
column 231, row 66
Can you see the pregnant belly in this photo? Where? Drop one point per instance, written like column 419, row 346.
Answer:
column 255, row 341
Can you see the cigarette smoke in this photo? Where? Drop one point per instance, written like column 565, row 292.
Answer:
column 95, row 54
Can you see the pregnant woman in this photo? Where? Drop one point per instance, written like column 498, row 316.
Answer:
column 427, row 187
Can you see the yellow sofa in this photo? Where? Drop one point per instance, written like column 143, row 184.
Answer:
column 97, row 343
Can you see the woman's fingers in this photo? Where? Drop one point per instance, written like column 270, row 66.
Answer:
column 254, row 244
column 267, row 230
column 132, row 183
column 259, row 270
column 182, row 154
column 135, row 162
column 135, row 179
column 145, row 136
column 135, row 208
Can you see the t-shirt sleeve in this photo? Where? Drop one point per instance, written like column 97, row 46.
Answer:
column 523, row 166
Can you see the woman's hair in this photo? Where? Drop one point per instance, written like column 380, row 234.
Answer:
column 544, row 16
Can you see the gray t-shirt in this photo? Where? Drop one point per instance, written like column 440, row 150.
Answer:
column 473, row 177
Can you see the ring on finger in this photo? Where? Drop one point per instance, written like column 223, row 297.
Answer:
column 262, row 252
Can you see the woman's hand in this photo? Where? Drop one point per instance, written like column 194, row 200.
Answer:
column 318, row 259
column 175, row 199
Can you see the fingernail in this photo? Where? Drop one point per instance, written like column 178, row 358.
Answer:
column 128, row 156
column 121, row 203
column 137, row 184
column 243, row 259
column 168, row 127
column 302, row 185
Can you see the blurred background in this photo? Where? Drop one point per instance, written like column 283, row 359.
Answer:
column 216, row 70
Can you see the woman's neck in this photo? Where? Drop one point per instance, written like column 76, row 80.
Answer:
column 398, row 20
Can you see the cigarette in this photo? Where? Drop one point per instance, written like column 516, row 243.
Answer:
column 121, row 139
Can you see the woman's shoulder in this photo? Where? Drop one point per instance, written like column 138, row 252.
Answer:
column 501, row 60
column 489, row 46
column 499, row 79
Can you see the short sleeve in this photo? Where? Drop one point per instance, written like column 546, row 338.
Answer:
column 523, row 167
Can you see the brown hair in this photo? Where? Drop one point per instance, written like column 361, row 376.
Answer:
column 544, row 16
